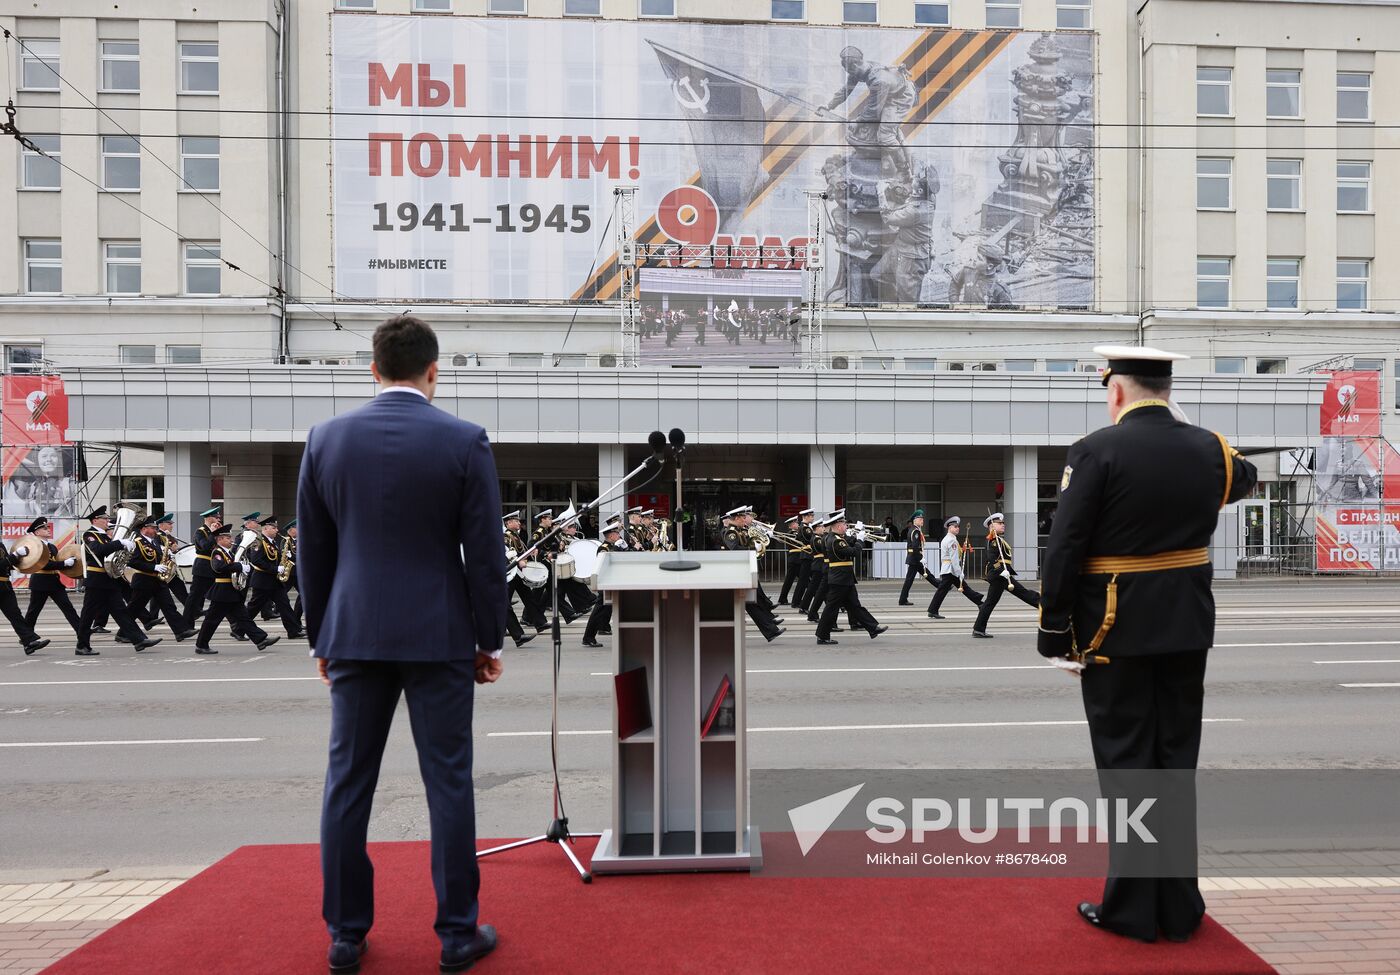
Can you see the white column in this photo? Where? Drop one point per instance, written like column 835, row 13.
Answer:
column 612, row 464
column 821, row 479
column 1020, row 479
column 186, row 485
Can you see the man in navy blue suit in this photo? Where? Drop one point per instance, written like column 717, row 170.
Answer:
column 382, row 620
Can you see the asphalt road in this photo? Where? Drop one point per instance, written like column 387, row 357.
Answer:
column 167, row 758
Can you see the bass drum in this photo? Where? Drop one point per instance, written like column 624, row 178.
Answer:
column 584, row 553
column 535, row 574
column 185, row 557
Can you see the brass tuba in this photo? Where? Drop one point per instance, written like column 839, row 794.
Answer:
column 126, row 516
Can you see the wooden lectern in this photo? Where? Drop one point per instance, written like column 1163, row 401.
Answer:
column 680, row 799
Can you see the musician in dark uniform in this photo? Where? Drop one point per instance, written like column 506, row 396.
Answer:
column 841, row 584
column 600, row 619
column 802, row 556
column 289, row 550
column 203, row 576
column 9, row 605
column 735, row 537
column 46, row 584
column 263, row 554
column 914, row 557
column 531, row 608
column 103, row 595
column 147, row 586
column 794, row 567
column 1128, row 605
column 226, row 602
column 579, row 598
column 548, row 551
column 635, row 536
column 950, row 569
column 178, row 589
column 816, row 575
column 1000, row 574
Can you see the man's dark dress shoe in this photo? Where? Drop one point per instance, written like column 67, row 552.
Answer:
column 460, row 959
column 344, row 956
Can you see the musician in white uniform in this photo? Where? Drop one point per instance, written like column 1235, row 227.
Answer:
column 950, row 568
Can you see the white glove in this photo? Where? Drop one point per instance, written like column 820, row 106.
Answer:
column 69, row 563
column 128, row 544
column 1073, row 667
column 21, row 551
column 1006, row 574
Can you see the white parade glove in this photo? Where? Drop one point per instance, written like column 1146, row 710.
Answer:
column 128, row 544
column 22, row 551
column 69, row 563
column 1006, row 574
column 1073, row 667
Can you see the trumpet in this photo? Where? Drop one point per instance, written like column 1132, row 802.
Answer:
column 774, row 533
column 863, row 533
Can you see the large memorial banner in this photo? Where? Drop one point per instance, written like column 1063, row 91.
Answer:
column 476, row 158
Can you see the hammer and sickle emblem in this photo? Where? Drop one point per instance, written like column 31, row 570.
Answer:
column 699, row 101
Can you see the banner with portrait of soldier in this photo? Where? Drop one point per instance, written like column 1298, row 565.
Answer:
column 1357, row 479
column 958, row 165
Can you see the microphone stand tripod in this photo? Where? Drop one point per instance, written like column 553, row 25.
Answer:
column 558, row 831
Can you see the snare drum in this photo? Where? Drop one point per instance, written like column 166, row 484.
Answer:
column 535, row 574
column 564, row 565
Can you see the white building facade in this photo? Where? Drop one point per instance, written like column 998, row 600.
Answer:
column 1238, row 153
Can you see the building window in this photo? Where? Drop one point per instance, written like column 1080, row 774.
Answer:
column 121, row 66
column 1213, row 183
column 1283, row 93
column 873, row 503
column 1061, row 365
column 656, row 8
column 354, row 4
column 199, row 68
column 582, row 8
column 1353, row 97
column 1072, row 14
column 121, row 265
column 137, row 355
column 525, row 360
column 21, row 359
column 39, row 172
column 877, row 363
column 921, row 365
column 1353, row 187
column 1271, row 367
column 931, row 14
column 1212, row 282
column 1285, row 184
column 1281, row 288
column 1003, row 13
column 43, row 267
column 1229, row 365
column 789, row 10
column 860, row 13
column 1368, row 365
column 570, row 360
column 497, row 6
column 1019, row 365
column 203, row 269
column 182, row 355
column 38, row 66
column 146, row 492
column 1353, row 285
column 199, row 163
column 121, row 163
column 1212, row 91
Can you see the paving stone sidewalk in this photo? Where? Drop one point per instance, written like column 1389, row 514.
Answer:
column 1300, row 925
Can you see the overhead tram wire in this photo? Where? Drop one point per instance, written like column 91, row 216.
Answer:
column 1276, row 125
column 279, row 291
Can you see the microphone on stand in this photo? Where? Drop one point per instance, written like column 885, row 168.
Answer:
column 657, row 442
column 676, row 452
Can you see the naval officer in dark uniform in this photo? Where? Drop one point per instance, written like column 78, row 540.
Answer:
column 914, row 557
column 203, row 575
column 1127, row 604
column 46, row 584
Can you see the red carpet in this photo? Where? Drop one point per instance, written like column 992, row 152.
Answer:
column 257, row 912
